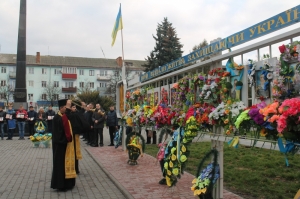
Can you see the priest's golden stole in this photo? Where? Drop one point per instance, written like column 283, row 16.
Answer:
column 70, row 158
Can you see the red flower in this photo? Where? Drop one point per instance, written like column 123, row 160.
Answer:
column 282, row 48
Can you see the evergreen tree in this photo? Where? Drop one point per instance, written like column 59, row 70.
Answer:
column 167, row 46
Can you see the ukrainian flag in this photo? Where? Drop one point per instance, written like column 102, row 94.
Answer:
column 118, row 26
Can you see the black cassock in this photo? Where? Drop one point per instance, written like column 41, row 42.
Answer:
column 59, row 146
column 79, row 125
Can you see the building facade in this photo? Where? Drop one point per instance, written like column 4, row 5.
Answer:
column 63, row 77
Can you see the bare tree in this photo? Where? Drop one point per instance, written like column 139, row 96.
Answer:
column 51, row 93
column 6, row 92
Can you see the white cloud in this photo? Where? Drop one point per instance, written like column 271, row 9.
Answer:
column 81, row 27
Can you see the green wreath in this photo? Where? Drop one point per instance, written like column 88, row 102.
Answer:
column 135, row 144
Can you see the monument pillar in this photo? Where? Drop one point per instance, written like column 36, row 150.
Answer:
column 20, row 95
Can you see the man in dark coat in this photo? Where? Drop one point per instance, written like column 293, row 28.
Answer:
column 32, row 115
column 79, row 125
column 49, row 117
column 112, row 123
column 63, row 174
column 88, row 117
column 98, row 119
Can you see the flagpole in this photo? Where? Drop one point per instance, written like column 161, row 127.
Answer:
column 123, row 62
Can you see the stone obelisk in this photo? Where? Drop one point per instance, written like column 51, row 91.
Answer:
column 20, row 95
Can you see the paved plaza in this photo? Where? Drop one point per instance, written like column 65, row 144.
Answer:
column 25, row 172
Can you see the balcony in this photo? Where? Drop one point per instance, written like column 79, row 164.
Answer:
column 68, row 76
column 69, row 90
column 12, row 74
column 103, row 78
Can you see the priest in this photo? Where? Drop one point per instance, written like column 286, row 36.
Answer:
column 63, row 174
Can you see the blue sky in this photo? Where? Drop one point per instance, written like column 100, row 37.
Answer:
column 81, row 27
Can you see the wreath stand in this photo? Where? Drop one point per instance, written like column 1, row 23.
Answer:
column 219, row 146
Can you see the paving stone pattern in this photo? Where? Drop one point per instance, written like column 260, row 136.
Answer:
column 25, row 172
column 141, row 180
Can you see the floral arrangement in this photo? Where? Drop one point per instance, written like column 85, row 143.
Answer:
column 175, row 155
column 41, row 138
column 225, row 114
column 287, row 117
column 290, row 53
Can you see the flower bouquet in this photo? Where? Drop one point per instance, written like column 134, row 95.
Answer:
column 38, row 139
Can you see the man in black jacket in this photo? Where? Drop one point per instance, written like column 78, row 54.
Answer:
column 98, row 120
column 88, row 117
column 32, row 115
column 2, row 118
column 49, row 117
column 112, row 123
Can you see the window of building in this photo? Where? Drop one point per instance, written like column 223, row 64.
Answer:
column 31, row 70
column 68, row 96
column 44, row 96
column 69, row 84
column 56, row 71
column 30, row 83
column 3, row 83
column 3, row 69
column 81, row 84
column 56, row 84
column 3, row 96
column 102, row 85
column 30, row 96
column 81, row 72
column 44, row 71
column 103, row 73
column 55, row 97
column 116, row 73
column 44, row 84
column 91, row 72
column 69, row 70
column 91, row 84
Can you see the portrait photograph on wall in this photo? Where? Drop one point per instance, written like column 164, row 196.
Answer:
column 236, row 87
column 262, row 85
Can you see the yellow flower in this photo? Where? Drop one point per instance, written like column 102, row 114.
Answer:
column 183, row 149
column 169, row 172
column 194, row 181
column 183, row 158
column 226, row 121
column 193, row 188
column 168, row 181
column 171, row 164
column 199, row 191
column 166, row 165
column 173, row 150
column 175, row 171
column 173, row 157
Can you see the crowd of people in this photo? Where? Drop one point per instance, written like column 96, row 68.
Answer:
column 20, row 117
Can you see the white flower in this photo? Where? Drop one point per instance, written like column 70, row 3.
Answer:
column 205, row 87
column 213, row 85
column 270, row 76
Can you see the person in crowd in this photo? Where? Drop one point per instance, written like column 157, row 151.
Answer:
column 49, row 117
column 64, row 173
column 88, row 117
column 41, row 115
column 78, row 125
column 11, row 122
column 112, row 123
column 21, row 116
column 98, row 118
column 32, row 115
column 2, row 119
column 151, row 134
